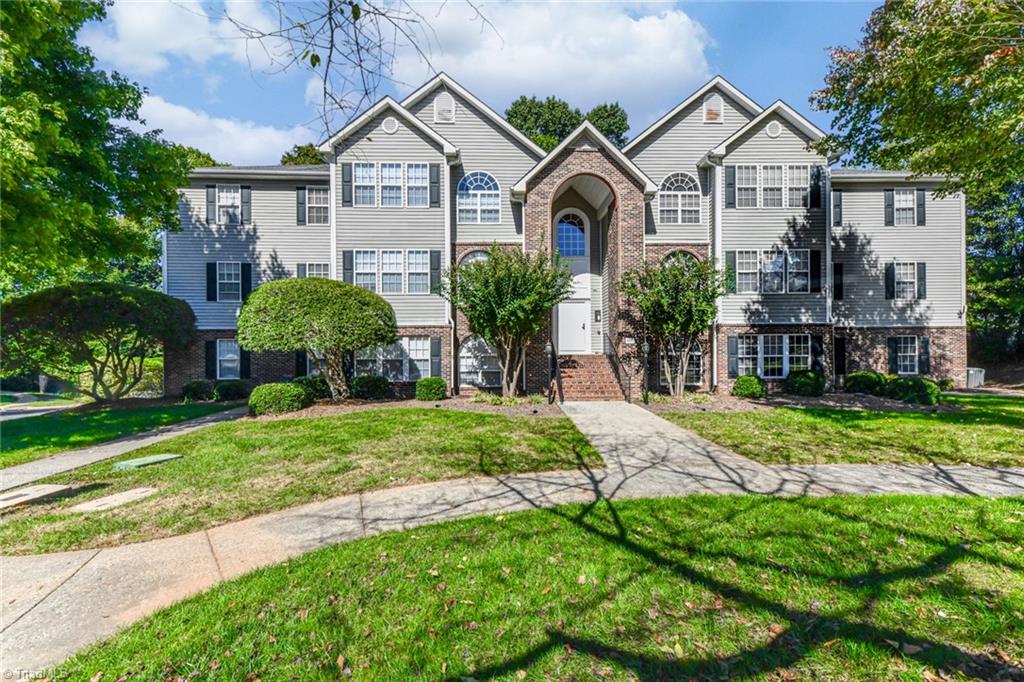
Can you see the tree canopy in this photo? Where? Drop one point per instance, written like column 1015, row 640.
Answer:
column 548, row 122
column 302, row 154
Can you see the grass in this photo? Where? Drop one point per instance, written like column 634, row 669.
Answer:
column 5, row 399
column 237, row 469
column 841, row 588
column 34, row 437
column 987, row 431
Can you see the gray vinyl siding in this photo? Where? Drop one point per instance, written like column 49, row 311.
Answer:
column 773, row 228
column 864, row 244
column 483, row 146
column 273, row 244
column 678, row 146
column 376, row 228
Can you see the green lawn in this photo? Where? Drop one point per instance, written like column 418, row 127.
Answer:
column 841, row 588
column 33, row 437
column 988, row 431
column 237, row 469
column 5, row 399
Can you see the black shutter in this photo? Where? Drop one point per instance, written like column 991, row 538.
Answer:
column 211, row 359
column 730, row 186
column 924, row 356
column 654, row 370
column 890, row 281
column 346, row 184
column 246, row 205
column 891, row 343
column 837, row 281
column 300, row 205
column 211, row 281
column 839, row 355
column 300, row 270
column 435, row 356
column 815, row 272
column 890, row 210
column 837, row 207
column 730, row 272
column 435, row 271
column 920, row 207
column 435, row 185
column 346, row 267
column 300, row 363
column 244, row 363
column 922, row 284
column 246, row 280
column 211, row 204
column 815, row 187
column 818, row 354
column 734, row 356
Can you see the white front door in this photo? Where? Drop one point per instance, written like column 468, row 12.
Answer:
column 572, row 234
column 573, row 327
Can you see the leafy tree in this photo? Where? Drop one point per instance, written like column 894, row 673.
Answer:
column 70, row 168
column 550, row 121
column 101, row 329
column 323, row 317
column 197, row 158
column 302, row 154
column 612, row 121
column 675, row 303
column 507, row 300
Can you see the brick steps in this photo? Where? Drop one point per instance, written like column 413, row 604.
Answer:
column 589, row 377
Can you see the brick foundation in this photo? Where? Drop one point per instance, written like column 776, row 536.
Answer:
column 725, row 382
column 866, row 349
column 656, row 253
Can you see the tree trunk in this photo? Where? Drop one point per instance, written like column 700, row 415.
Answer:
column 332, row 366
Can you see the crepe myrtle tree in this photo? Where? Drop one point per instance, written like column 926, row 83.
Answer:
column 674, row 303
column 325, row 318
column 96, row 335
column 507, row 299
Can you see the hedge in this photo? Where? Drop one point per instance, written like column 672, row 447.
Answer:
column 278, row 398
column 370, row 387
column 869, row 382
column 315, row 385
column 231, row 389
column 806, row 382
column 197, row 391
column 748, row 387
column 431, row 388
column 916, row 390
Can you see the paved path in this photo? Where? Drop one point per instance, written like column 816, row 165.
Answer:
column 55, row 604
column 29, row 405
column 23, row 474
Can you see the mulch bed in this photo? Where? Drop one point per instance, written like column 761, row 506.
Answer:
column 845, row 401
column 465, row 404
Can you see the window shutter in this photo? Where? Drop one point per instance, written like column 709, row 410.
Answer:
column 924, row 356
column 435, row 185
column 246, row 205
column 890, row 210
column 435, row 271
column 435, row 356
column 815, row 199
column 839, row 355
column 730, row 186
column 890, row 281
column 246, row 280
column 300, row 270
column 734, row 357
column 920, row 206
column 818, row 354
column 211, row 204
column 346, row 267
column 654, row 370
column 244, row 363
column 922, row 285
column 837, row 207
column 211, row 359
column 211, row 281
column 837, row 281
column 730, row 272
column 891, row 343
column 346, row 184
column 815, row 272
column 300, row 363
column 300, row 205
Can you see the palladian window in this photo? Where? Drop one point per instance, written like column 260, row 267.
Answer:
column 479, row 199
column 679, row 200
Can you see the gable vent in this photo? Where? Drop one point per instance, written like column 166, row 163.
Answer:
column 444, row 108
column 773, row 129
column 390, row 125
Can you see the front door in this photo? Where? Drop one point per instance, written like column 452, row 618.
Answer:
column 572, row 230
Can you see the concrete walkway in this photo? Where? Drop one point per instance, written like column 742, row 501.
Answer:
column 23, row 474
column 57, row 603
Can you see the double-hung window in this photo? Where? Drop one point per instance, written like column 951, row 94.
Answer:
column 365, row 272
column 418, row 266
column 364, row 182
column 773, row 356
column 799, row 276
column 391, row 184
column 479, row 199
column 799, row 352
column 391, row 272
column 408, row 359
column 904, row 207
column 799, row 191
column 229, row 204
column 418, row 348
column 771, row 187
column 229, row 281
column 318, row 270
column 229, row 364
column 393, row 361
column 317, row 201
column 417, row 191
column 679, row 200
column 746, row 271
column 906, row 281
column 773, row 272
column 747, row 354
column 746, row 186
column 906, row 354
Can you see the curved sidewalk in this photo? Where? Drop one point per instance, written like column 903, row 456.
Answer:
column 55, row 604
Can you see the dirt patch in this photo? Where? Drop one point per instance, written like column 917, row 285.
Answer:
column 326, row 408
column 842, row 401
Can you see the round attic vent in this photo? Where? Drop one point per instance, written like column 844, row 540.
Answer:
column 390, row 125
column 773, row 129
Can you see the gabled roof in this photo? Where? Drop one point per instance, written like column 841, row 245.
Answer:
column 586, row 128
column 382, row 105
column 451, row 84
column 782, row 109
column 716, row 82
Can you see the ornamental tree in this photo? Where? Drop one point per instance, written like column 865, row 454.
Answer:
column 102, row 330
column 507, row 300
column 323, row 317
column 675, row 303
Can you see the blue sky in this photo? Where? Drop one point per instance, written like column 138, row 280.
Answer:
column 209, row 88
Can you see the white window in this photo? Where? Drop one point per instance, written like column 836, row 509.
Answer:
column 473, row 257
column 713, row 108
column 478, row 364
column 906, row 281
column 229, row 204
column 229, row 281
column 773, row 356
column 904, row 207
column 418, row 349
column 417, row 192
column 479, row 199
column 318, row 270
column 418, row 264
column 366, row 270
column 364, row 181
column 393, row 361
column 368, row 361
column 747, row 355
column 408, row 359
column 798, row 195
column 444, row 108
column 746, row 271
column 229, row 359
column 571, row 236
column 906, row 354
column 799, row 279
column 773, row 272
column 694, row 368
column 746, row 186
column 799, row 352
column 679, row 200
column 317, row 201
column 771, row 187
column 391, row 184
column 391, row 272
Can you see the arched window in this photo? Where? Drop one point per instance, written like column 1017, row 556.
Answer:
column 684, row 257
column 444, row 108
column 479, row 199
column 478, row 364
column 473, row 257
column 679, row 200
column 572, row 236
column 713, row 108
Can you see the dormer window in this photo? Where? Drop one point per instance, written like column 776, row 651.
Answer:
column 713, row 108
column 444, row 108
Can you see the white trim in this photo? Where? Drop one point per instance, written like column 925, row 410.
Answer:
column 327, row 205
column 229, row 262
column 718, row 195
column 333, row 212
column 586, row 232
column 679, row 210
column 826, row 289
column 479, row 210
column 425, row 185
column 217, row 360
column 163, row 261
column 376, row 185
column 781, row 108
column 896, row 279
column 217, row 204
column 318, row 263
column 368, row 115
column 916, row 355
column 451, row 120
column 409, row 271
column 704, row 109
column 400, row 185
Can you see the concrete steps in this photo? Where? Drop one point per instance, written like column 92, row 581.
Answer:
column 589, row 377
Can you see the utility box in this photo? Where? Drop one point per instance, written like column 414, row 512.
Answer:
column 975, row 377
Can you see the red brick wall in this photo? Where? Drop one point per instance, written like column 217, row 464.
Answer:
column 725, row 331
column 657, row 252
column 866, row 349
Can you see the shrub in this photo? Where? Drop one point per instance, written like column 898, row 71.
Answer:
column 370, row 387
column 278, row 398
column 945, row 384
column 197, row 391
column 866, row 382
column 748, row 387
column 431, row 388
column 916, row 390
column 316, row 385
column 233, row 389
column 806, row 382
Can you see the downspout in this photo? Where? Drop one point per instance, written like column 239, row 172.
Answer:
column 448, row 237
column 826, row 194
column 333, row 215
column 717, row 185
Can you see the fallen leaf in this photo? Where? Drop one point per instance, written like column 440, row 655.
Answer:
column 341, row 662
column 1003, row 655
column 719, row 603
column 582, row 580
column 506, row 570
column 521, row 674
column 546, row 590
column 96, row 677
column 441, row 586
column 214, row 664
column 303, row 613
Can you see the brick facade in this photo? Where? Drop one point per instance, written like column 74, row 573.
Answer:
column 867, row 349
column 656, row 253
column 725, row 382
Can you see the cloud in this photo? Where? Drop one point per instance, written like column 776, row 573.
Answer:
column 226, row 139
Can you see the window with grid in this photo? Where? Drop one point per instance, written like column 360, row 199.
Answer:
column 418, row 349
column 747, row 355
column 746, row 271
column 713, row 108
column 391, row 184
column 572, row 236
column 317, row 205
column 773, row 356
column 694, row 367
column 746, row 186
column 771, row 186
column 799, row 352
column 906, row 281
column 229, row 204
column 478, row 364
column 393, row 361
column 773, row 272
column 364, row 183
column 391, row 274
column 799, row 279
column 798, row 194
column 228, row 359
column 417, row 189
column 418, row 266
column 407, row 359
column 365, row 270
column 229, row 281
column 905, row 207
column 906, row 354
column 679, row 200
column 478, row 198
column 318, row 270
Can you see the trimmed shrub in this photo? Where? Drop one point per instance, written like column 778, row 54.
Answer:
column 945, row 384
column 806, row 382
column 749, row 387
column 869, row 382
column 232, row 389
column 370, row 387
column 431, row 388
column 316, row 385
column 196, row 391
column 278, row 398
column 916, row 390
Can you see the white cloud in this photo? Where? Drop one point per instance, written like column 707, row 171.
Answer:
column 226, row 139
